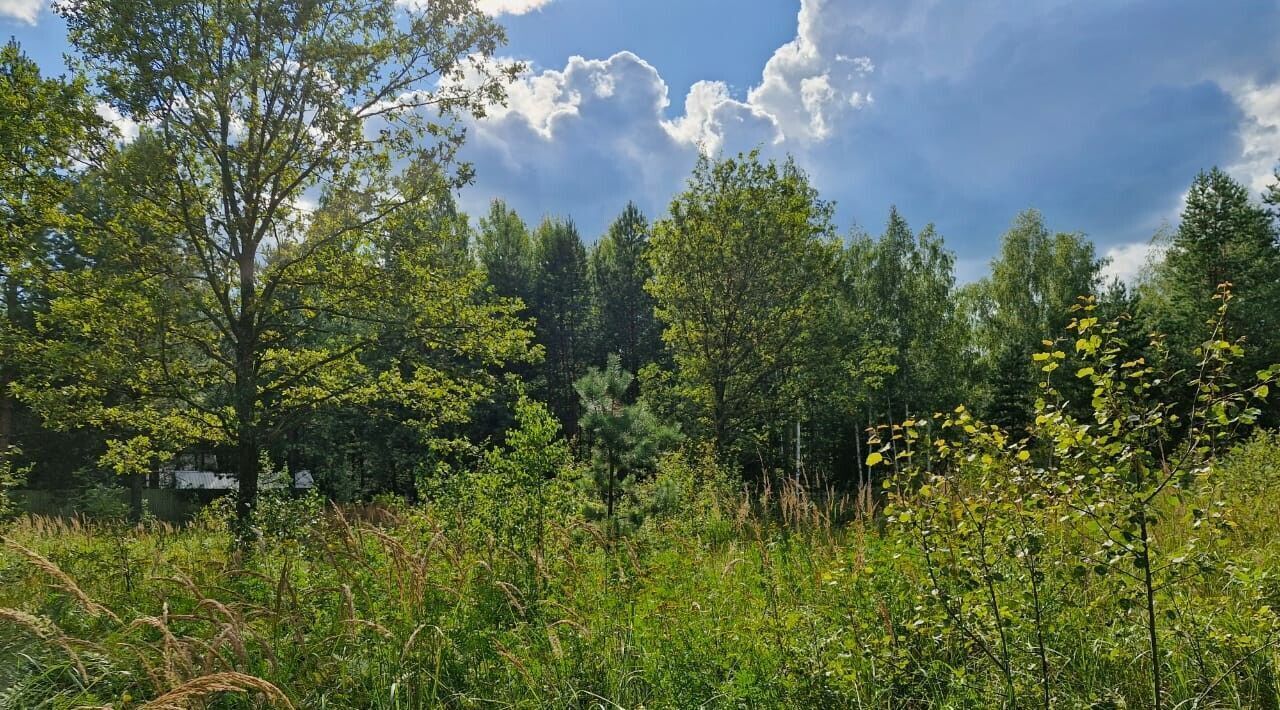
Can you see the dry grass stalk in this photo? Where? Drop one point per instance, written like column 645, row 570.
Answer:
column 64, row 582
column 186, row 696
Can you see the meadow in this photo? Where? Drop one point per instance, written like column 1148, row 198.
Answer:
column 722, row 596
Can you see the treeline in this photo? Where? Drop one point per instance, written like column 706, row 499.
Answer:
column 758, row 327
column 274, row 271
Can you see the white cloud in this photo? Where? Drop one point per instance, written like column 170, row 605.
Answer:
column 21, row 10
column 587, row 137
column 489, row 7
column 805, row 89
column 128, row 129
column 812, row 81
column 598, row 132
column 1129, row 262
column 716, row 122
column 1259, row 134
column 510, row 7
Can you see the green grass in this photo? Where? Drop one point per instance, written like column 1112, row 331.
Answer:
column 761, row 601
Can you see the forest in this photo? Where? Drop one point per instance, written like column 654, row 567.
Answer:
column 729, row 455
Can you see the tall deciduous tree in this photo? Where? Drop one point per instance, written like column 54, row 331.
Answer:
column 258, row 109
column 743, row 269
column 1035, row 280
column 49, row 127
column 906, row 283
column 628, row 326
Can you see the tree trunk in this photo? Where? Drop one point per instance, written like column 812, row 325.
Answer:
column 135, row 497
column 6, row 374
column 246, row 395
column 247, row 473
column 6, row 413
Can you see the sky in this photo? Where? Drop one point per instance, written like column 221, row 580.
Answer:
column 1099, row 113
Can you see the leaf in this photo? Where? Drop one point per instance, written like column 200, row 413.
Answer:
column 1084, row 372
column 874, row 458
column 1262, row 391
column 1024, row 455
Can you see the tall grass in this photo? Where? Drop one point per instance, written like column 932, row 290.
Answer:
column 770, row 597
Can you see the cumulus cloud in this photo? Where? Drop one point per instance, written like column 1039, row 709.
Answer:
column 509, row 7
column 1259, row 134
column 599, row 132
column 21, row 10
column 963, row 113
column 715, row 122
column 811, row 82
column 586, row 138
column 1127, row 263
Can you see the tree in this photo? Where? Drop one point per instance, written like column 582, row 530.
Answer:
column 48, row 127
column 742, row 271
column 561, row 305
column 619, row 271
column 258, row 108
column 625, row 439
column 1223, row 237
column 1035, row 281
column 906, row 283
column 506, row 251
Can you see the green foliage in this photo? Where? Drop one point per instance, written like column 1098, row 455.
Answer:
column 1121, row 508
column 625, row 441
column 561, row 304
column 508, row 496
column 48, row 128
column 11, row 476
column 720, row 599
column 1034, row 282
column 619, row 271
column 743, row 275
column 506, row 251
column 1223, row 237
column 253, row 310
column 906, row 283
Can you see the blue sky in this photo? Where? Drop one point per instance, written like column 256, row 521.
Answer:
column 1099, row 113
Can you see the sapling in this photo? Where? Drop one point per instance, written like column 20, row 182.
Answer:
column 625, row 440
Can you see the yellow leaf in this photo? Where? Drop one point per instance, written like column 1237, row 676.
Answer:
column 874, row 458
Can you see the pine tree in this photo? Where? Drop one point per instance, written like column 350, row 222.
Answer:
column 506, row 251
column 624, row 439
column 625, row 311
column 561, row 305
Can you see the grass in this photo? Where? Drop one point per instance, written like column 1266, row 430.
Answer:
column 761, row 600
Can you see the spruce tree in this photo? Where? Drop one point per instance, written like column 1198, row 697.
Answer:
column 1223, row 237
